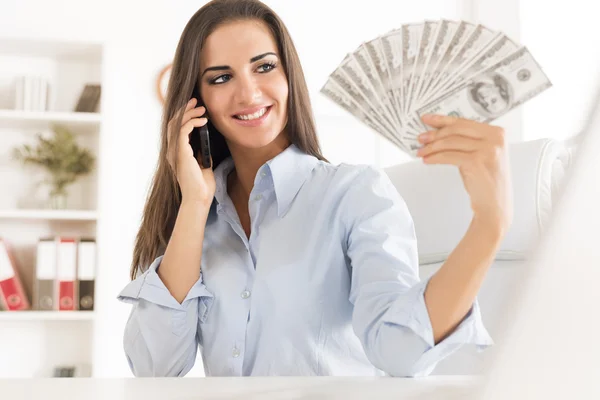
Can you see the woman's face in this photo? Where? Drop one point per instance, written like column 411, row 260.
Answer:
column 243, row 84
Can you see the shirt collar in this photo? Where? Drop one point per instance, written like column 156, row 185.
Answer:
column 288, row 170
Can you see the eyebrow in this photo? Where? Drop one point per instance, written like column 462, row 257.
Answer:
column 226, row 67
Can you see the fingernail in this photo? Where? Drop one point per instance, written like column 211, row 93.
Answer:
column 424, row 137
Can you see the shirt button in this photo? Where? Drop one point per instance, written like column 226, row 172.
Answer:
column 263, row 174
column 235, row 353
column 258, row 197
column 245, row 294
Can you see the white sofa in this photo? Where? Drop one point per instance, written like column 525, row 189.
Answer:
column 441, row 210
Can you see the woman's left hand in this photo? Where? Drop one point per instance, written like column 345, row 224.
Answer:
column 479, row 151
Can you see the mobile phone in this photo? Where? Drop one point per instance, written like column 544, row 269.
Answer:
column 204, row 147
column 200, row 141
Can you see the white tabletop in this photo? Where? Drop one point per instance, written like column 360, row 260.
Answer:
column 247, row 388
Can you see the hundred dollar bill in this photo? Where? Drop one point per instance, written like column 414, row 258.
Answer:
column 478, row 40
column 459, row 37
column 496, row 51
column 367, row 72
column 426, row 41
column 377, row 60
column 351, row 89
column 351, row 69
column 411, row 37
column 391, row 50
column 338, row 95
column 494, row 91
column 465, row 36
column 446, row 30
column 385, row 54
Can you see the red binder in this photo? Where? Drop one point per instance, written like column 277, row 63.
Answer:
column 67, row 274
column 12, row 295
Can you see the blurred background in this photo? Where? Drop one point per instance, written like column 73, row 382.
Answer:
column 100, row 67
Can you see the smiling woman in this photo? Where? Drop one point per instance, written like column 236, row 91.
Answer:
column 274, row 261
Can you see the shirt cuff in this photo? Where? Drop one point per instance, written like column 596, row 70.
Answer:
column 151, row 288
column 412, row 312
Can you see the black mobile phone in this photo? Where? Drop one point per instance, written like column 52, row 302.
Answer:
column 205, row 147
column 200, row 141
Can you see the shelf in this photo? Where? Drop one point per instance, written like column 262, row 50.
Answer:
column 66, row 50
column 63, row 215
column 43, row 119
column 46, row 315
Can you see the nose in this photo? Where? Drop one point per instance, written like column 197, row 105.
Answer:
column 248, row 91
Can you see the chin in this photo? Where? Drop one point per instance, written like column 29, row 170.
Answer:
column 253, row 138
column 258, row 141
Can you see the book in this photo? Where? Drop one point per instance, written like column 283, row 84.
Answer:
column 12, row 294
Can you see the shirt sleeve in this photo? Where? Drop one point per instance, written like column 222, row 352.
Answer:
column 161, row 335
column 390, row 316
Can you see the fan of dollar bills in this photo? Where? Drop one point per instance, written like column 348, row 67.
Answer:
column 441, row 67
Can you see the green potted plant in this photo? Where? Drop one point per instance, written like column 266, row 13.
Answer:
column 62, row 158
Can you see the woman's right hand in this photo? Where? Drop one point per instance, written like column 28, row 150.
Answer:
column 197, row 184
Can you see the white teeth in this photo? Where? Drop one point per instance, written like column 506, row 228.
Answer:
column 256, row 115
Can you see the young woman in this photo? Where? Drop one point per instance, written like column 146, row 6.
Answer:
column 274, row 261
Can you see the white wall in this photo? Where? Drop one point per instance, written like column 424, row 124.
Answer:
column 565, row 39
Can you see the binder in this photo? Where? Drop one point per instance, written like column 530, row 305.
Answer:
column 66, row 273
column 12, row 294
column 86, row 272
column 44, row 292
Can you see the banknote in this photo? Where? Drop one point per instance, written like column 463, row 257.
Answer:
column 479, row 38
column 338, row 95
column 391, row 53
column 445, row 32
column 494, row 91
column 411, row 39
column 459, row 38
column 500, row 47
column 435, row 66
column 425, row 44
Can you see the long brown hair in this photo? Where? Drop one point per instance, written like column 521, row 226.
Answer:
column 164, row 198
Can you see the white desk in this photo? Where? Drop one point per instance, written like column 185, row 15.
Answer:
column 247, row 388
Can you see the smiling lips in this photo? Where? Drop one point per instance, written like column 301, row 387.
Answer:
column 252, row 116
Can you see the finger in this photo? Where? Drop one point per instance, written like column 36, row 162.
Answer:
column 191, row 104
column 450, row 143
column 189, row 108
column 189, row 126
column 458, row 129
column 190, row 116
column 453, row 157
column 439, row 120
column 193, row 113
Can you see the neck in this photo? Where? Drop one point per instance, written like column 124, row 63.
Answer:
column 248, row 161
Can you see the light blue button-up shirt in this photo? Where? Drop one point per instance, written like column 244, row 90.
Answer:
column 327, row 284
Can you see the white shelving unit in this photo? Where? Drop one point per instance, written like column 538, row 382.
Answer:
column 49, row 215
column 39, row 120
column 35, row 316
column 33, row 342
